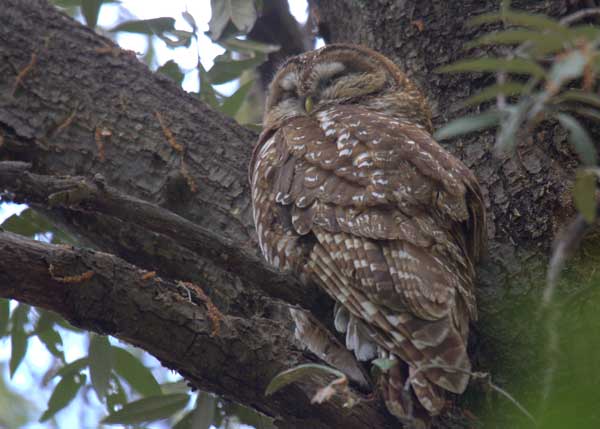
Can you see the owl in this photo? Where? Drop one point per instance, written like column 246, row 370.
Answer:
column 351, row 191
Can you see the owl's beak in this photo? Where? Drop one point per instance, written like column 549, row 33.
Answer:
column 308, row 104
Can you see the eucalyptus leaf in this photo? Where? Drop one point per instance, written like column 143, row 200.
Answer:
column 468, row 124
column 584, row 194
column 579, row 139
column 63, row 394
column 148, row 409
column 100, row 359
column 135, row 372
column 297, row 373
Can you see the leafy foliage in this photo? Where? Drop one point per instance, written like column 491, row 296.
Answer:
column 549, row 75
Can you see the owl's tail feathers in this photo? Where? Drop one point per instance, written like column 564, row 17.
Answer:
column 413, row 402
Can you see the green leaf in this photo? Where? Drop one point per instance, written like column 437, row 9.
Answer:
column 225, row 70
column 44, row 329
column 30, row 223
column 53, row 342
column 18, row 337
column 579, row 139
column 385, row 364
column 73, row 368
column 578, row 96
column 468, row 124
column 509, row 126
column 536, row 21
column 63, row 393
column 100, row 359
column 514, row 65
column 508, row 89
column 207, row 92
column 135, row 373
column 4, row 316
column 584, row 194
column 204, row 413
column 146, row 26
column 592, row 114
column 242, row 13
column 568, row 68
column 179, row 386
column 185, row 422
column 117, row 398
column 301, row 371
column 512, row 37
column 148, row 409
column 172, row 70
column 232, row 104
column 246, row 45
column 90, row 10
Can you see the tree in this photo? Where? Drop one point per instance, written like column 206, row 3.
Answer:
column 153, row 184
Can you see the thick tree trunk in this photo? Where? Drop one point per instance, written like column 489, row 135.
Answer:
column 141, row 170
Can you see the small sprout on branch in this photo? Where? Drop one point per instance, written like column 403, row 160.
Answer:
column 80, row 278
column 21, row 75
column 149, row 275
column 213, row 312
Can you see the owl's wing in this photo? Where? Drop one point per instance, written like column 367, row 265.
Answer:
column 357, row 171
column 398, row 223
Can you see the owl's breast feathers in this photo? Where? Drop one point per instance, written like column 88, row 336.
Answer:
column 386, row 221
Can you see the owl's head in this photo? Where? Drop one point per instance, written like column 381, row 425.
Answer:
column 343, row 74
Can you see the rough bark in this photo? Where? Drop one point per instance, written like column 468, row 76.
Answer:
column 139, row 169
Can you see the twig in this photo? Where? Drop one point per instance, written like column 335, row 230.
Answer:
column 486, row 377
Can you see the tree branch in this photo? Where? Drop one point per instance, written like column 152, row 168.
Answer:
column 99, row 292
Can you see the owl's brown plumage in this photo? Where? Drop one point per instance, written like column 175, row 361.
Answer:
column 350, row 189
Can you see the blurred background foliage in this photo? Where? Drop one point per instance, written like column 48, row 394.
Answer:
column 54, row 375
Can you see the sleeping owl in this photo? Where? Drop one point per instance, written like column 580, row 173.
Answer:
column 350, row 190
